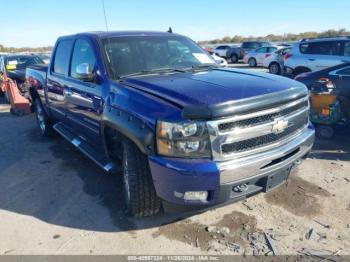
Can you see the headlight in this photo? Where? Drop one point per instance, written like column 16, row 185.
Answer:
column 183, row 139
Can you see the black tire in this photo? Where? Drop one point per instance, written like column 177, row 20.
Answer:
column 44, row 122
column 300, row 70
column 140, row 195
column 234, row 58
column 252, row 62
column 324, row 132
column 275, row 68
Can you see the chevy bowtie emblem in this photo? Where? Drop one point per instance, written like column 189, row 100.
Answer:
column 279, row 125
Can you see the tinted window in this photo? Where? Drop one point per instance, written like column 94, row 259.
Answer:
column 21, row 62
column 141, row 54
column 251, row 45
column 347, row 49
column 272, row 49
column 345, row 71
column 61, row 60
column 82, row 53
column 261, row 50
column 222, row 47
column 322, row 48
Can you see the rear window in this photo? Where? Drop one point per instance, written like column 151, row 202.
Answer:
column 62, row 55
column 251, row 45
column 322, row 48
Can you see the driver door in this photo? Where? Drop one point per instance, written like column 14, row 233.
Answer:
column 83, row 101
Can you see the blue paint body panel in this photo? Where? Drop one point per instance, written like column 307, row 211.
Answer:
column 150, row 98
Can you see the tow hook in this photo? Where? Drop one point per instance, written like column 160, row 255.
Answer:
column 240, row 188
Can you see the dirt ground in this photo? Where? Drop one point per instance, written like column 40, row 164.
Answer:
column 53, row 200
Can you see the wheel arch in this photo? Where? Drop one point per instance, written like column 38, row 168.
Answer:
column 117, row 124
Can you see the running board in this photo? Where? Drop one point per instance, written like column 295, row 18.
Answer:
column 101, row 160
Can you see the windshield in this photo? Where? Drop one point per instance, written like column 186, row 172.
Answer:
column 21, row 62
column 150, row 54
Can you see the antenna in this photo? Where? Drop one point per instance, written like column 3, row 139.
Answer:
column 170, row 30
column 104, row 13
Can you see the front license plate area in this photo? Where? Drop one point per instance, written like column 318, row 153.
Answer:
column 277, row 179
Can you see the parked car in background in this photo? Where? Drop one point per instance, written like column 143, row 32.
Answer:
column 219, row 60
column 311, row 55
column 256, row 57
column 275, row 62
column 15, row 67
column 221, row 50
column 338, row 76
column 237, row 53
column 183, row 133
column 45, row 57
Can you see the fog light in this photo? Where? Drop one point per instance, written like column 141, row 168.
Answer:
column 196, row 195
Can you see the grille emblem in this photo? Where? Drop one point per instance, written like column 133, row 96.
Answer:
column 279, row 125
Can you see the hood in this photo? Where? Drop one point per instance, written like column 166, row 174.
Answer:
column 210, row 87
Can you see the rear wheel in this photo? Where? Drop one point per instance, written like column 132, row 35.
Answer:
column 234, row 58
column 252, row 62
column 139, row 192
column 44, row 122
column 275, row 68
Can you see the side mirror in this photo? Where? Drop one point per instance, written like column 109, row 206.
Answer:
column 85, row 72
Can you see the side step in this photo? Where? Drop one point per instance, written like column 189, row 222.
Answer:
column 101, row 160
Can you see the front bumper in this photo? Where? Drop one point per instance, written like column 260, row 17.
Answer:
column 226, row 181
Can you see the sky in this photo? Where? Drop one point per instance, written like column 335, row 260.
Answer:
column 36, row 23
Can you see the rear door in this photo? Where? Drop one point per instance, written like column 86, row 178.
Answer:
column 260, row 54
column 57, row 78
column 321, row 55
column 82, row 99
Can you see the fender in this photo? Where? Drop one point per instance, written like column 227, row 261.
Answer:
column 129, row 126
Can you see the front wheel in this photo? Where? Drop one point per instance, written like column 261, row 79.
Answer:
column 44, row 122
column 275, row 68
column 234, row 58
column 139, row 192
column 252, row 62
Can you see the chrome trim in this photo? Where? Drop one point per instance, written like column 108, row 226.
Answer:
column 249, row 167
column 219, row 138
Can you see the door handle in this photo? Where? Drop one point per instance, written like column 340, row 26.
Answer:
column 311, row 59
column 68, row 92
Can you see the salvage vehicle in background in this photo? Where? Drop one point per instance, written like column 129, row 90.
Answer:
column 330, row 97
column 256, row 57
column 275, row 62
column 237, row 53
column 15, row 65
column 155, row 108
column 311, row 55
column 221, row 50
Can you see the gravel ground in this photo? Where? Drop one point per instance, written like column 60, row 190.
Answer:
column 53, row 200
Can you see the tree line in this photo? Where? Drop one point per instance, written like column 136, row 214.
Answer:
column 6, row 49
column 278, row 38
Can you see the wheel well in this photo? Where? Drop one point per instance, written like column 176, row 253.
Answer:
column 113, row 143
column 33, row 93
column 273, row 62
column 302, row 69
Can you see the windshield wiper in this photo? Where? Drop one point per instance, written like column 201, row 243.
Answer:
column 156, row 71
column 204, row 66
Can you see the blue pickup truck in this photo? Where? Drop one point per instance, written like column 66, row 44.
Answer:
column 155, row 108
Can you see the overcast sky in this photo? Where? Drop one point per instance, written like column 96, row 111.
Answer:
column 39, row 22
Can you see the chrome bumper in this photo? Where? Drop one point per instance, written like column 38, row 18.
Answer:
column 269, row 161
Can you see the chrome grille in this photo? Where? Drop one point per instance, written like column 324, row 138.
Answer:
column 246, row 134
column 253, row 143
column 261, row 119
